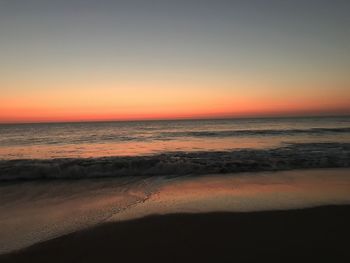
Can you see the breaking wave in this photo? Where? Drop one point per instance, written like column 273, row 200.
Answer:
column 291, row 156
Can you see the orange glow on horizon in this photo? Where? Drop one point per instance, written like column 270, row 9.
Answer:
column 146, row 102
column 15, row 114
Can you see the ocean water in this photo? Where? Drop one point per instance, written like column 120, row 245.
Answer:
column 61, row 177
column 114, row 149
column 100, row 139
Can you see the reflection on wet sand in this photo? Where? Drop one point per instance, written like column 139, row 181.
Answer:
column 248, row 192
column 35, row 211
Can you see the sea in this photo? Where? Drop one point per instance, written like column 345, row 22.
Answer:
column 177, row 147
column 57, row 178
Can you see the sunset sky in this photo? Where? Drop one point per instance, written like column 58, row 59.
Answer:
column 83, row 60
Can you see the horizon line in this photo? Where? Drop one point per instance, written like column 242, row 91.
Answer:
column 268, row 116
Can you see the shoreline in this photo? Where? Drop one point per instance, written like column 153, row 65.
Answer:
column 311, row 234
column 33, row 213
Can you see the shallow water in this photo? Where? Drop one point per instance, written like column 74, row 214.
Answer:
column 35, row 211
column 31, row 212
column 246, row 192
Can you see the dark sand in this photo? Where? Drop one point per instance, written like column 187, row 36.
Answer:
column 308, row 235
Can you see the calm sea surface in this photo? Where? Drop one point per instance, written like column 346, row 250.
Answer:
column 99, row 139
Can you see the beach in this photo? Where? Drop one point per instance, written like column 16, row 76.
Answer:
column 245, row 217
column 303, row 235
column 237, row 190
column 174, row 131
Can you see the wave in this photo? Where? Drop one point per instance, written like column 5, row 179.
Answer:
column 156, row 135
column 291, row 156
column 266, row 132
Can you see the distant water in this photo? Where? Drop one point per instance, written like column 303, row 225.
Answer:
column 99, row 149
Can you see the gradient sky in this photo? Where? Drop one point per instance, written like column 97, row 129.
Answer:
column 110, row 60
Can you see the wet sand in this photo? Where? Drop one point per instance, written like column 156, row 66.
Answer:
column 304, row 235
column 33, row 212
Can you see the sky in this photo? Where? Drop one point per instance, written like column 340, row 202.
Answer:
column 82, row 60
